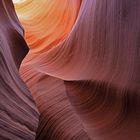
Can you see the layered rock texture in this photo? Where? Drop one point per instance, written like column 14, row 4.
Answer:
column 18, row 113
column 82, row 71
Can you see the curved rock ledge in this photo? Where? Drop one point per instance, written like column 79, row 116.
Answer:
column 82, row 69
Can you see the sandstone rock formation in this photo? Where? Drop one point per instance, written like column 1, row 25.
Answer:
column 82, row 68
column 18, row 112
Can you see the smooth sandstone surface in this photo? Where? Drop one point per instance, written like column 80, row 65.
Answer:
column 18, row 113
column 82, row 69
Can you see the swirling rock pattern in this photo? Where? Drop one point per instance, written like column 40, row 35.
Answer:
column 18, row 114
column 57, row 119
column 83, row 67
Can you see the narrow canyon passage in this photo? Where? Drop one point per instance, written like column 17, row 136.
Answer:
column 70, row 70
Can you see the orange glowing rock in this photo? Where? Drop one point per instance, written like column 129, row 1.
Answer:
column 46, row 22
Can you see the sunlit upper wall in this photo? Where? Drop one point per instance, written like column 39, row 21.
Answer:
column 46, row 22
column 16, row 1
column 19, row 1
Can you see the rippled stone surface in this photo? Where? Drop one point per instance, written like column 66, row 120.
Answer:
column 82, row 68
column 18, row 114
